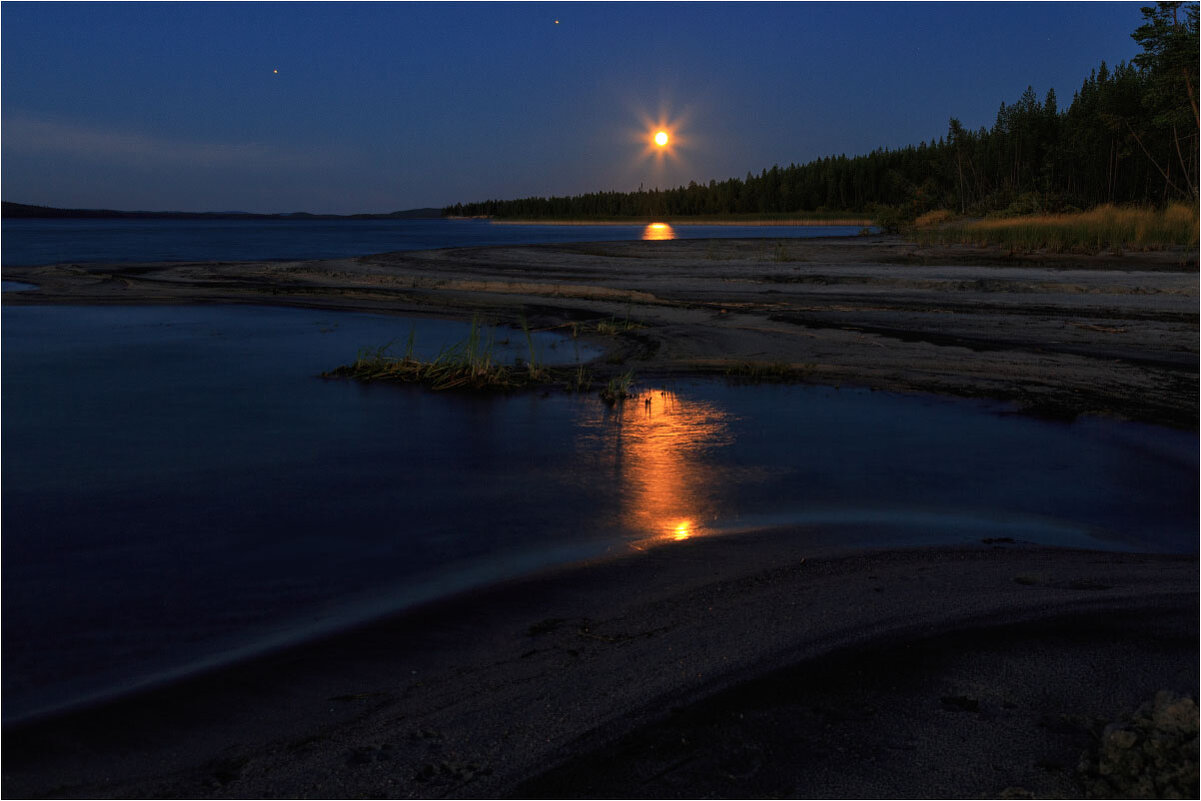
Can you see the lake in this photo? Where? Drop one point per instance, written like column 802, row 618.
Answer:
column 182, row 488
column 49, row 241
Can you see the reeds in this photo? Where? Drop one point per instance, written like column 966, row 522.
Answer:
column 536, row 372
column 471, row 365
column 932, row 218
column 465, row 365
column 618, row 388
column 606, row 327
column 613, row 326
column 1100, row 229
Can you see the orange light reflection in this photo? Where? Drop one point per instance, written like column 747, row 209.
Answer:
column 658, row 231
column 654, row 444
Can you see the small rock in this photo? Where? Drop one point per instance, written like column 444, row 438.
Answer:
column 1151, row 754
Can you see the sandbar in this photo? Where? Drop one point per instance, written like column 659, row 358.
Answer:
column 1059, row 335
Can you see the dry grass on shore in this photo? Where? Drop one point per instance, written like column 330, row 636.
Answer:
column 1102, row 228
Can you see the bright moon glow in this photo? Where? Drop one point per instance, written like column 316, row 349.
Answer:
column 663, row 142
column 658, row 231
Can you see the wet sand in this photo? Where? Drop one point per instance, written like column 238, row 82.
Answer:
column 1058, row 335
column 741, row 666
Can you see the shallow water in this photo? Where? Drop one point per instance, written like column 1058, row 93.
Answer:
column 181, row 487
column 30, row 242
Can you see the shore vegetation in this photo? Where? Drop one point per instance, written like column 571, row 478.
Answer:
column 1105, row 228
column 618, row 388
column 472, row 365
column 469, row 364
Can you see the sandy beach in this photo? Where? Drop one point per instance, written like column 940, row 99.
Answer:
column 742, row 666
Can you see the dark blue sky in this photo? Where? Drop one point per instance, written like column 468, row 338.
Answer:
column 385, row 106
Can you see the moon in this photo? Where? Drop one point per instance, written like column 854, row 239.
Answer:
column 661, row 139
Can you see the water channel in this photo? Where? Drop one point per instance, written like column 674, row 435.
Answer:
column 182, row 487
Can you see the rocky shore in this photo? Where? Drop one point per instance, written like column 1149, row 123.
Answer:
column 1057, row 334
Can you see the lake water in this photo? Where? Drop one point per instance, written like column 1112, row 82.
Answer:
column 37, row 241
column 182, row 488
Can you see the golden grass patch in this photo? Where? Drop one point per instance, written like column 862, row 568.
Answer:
column 1102, row 228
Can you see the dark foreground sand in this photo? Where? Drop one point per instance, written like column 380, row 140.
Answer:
column 735, row 667
column 742, row 666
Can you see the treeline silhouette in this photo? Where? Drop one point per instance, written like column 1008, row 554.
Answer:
column 1129, row 136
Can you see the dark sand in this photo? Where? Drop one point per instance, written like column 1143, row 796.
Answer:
column 737, row 667
column 741, row 666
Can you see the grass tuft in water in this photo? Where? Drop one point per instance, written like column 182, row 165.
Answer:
column 536, row 371
column 465, row 365
column 578, row 380
column 613, row 326
column 618, row 388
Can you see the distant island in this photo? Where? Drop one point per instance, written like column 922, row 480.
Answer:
column 23, row 210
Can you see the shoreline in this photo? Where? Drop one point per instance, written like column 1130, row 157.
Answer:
column 513, row 689
column 1058, row 335
column 686, row 221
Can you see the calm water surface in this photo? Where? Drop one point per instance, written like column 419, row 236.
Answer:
column 30, row 242
column 181, row 487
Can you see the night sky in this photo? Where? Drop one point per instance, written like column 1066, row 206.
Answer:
column 384, row 106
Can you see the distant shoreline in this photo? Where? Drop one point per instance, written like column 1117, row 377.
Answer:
column 755, row 222
column 18, row 211
column 23, row 211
